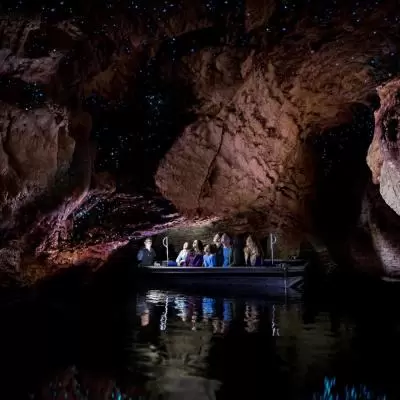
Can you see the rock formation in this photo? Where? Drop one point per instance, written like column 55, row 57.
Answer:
column 233, row 108
column 383, row 155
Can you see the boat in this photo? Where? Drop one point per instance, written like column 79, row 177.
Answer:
column 291, row 262
column 274, row 277
column 278, row 278
column 266, row 262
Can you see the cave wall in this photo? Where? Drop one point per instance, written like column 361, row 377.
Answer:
column 383, row 157
column 381, row 202
column 35, row 148
column 235, row 162
column 248, row 158
column 219, row 100
column 247, row 154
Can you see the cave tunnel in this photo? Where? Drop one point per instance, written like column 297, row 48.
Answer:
column 342, row 173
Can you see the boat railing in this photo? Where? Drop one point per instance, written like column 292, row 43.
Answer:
column 273, row 240
column 165, row 244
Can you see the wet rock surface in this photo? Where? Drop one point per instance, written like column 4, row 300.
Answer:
column 120, row 122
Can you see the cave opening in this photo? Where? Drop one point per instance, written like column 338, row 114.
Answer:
column 341, row 173
column 133, row 134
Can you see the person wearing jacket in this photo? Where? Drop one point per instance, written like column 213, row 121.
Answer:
column 146, row 255
column 227, row 251
column 183, row 254
column 209, row 259
column 195, row 257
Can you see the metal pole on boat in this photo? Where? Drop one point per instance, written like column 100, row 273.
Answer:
column 165, row 244
column 272, row 239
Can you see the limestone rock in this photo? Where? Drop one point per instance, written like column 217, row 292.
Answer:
column 236, row 162
column 259, row 83
column 384, row 154
column 35, row 146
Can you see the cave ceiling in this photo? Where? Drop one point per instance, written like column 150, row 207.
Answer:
column 122, row 119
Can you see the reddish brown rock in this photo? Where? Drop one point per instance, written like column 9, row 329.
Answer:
column 384, row 154
column 235, row 162
column 246, row 153
column 375, row 245
column 263, row 82
column 35, row 147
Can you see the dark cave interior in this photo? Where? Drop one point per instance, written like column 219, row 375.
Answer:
column 135, row 133
column 342, row 174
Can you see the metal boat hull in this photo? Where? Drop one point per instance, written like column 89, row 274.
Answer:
column 275, row 280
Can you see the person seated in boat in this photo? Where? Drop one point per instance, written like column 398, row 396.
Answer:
column 209, row 259
column 252, row 253
column 219, row 253
column 195, row 256
column 146, row 255
column 227, row 250
column 183, row 254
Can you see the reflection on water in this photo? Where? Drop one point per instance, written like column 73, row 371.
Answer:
column 219, row 348
column 159, row 345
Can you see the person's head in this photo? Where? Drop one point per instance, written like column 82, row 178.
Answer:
column 217, row 240
column 147, row 243
column 207, row 249
column 225, row 240
column 145, row 318
column 198, row 246
column 186, row 246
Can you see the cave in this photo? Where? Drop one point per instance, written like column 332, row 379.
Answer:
column 342, row 176
column 341, row 171
column 125, row 120
column 122, row 120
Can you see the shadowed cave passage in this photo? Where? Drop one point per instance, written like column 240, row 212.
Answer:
column 132, row 135
column 342, row 173
column 25, row 95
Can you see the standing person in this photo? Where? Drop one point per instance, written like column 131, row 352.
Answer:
column 183, row 254
column 209, row 259
column 227, row 251
column 219, row 253
column 146, row 255
column 195, row 257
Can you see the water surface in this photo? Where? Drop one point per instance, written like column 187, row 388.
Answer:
column 167, row 345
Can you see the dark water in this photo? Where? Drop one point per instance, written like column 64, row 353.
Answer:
column 156, row 345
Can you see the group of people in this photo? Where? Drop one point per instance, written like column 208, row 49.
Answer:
column 222, row 252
